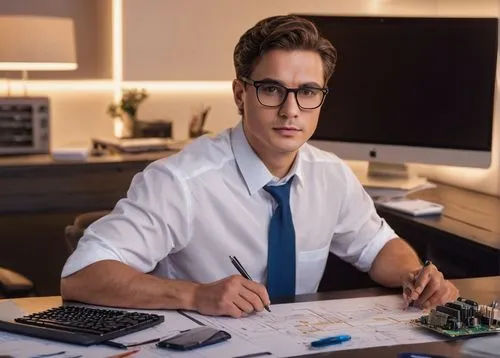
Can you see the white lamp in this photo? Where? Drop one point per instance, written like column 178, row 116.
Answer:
column 34, row 43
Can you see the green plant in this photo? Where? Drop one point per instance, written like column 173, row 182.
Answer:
column 129, row 103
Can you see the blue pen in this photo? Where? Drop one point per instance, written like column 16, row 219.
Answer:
column 328, row 341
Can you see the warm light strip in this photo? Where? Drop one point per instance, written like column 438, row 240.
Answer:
column 117, row 40
column 37, row 66
column 181, row 86
column 80, row 85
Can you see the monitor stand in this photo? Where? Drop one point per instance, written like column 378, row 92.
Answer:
column 391, row 176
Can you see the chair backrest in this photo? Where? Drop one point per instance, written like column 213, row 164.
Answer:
column 13, row 284
column 73, row 232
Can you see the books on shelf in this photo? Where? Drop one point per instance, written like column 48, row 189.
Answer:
column 139, row 145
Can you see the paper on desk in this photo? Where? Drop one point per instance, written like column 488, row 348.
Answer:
column 27, row 347
column 234, row 347
column 387, row 193
column 174, row 322
column 482, row 347
column 9, row 310
column 289, row 328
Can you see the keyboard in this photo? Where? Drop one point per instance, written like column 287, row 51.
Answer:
column 81, row 325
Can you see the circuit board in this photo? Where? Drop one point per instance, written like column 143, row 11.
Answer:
column 479, row 330
column 462, row 318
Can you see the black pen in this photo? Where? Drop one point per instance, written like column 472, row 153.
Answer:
column 251, row 355
column 129, row 345
column 426, row 263
column 244, row 273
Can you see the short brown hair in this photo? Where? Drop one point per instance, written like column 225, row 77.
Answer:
column 287, row 32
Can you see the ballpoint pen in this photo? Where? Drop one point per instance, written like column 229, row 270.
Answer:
column 244, row 273
column 125, row 354
column 328, row 341
column 129, row 345
column 426, row 263
column 49, row 354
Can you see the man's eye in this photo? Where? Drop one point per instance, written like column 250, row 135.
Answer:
column 270, row 89
column 308, row 92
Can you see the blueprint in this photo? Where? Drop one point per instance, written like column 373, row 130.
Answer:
column 289, row 328
column 285, row 331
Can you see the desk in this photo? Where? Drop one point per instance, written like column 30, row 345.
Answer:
column 463, row 242
column 484, row 290
column 466, row 234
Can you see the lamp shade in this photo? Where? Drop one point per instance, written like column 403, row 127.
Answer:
column 33, row 43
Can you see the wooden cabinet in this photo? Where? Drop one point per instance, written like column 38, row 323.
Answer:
column 39, row 197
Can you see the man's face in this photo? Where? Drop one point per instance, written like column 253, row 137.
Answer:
column 280, row 130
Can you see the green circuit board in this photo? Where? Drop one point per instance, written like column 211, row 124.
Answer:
column 480, row 330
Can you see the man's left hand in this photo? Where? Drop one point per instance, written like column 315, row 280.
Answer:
column 428, row 288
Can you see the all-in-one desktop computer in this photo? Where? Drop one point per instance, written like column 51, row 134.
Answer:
column 409, row 90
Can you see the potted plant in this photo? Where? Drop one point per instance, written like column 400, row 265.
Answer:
column 127, row 108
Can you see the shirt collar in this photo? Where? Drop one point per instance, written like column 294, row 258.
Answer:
column 253, row 170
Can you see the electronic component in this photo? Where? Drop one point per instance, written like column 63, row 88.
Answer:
column 462, row 317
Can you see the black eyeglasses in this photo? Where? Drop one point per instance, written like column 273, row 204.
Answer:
column 271, row 94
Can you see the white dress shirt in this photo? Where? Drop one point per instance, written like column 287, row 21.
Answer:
column 186, row 214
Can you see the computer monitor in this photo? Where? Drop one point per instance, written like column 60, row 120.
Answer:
column 410, row 89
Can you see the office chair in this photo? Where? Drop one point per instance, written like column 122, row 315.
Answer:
column 73, row 232
column 13, row 284
column 340, row 275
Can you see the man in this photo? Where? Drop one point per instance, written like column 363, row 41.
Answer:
column 257, row 192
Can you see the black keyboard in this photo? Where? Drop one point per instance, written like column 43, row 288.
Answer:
column 80, row 324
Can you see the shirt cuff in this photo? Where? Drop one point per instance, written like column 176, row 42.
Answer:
column 383, row 236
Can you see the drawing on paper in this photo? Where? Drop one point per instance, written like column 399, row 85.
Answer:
column 289, row 328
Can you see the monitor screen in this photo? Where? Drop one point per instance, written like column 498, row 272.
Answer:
column 410, row 89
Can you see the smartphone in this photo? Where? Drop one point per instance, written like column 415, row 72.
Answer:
column 194, row 338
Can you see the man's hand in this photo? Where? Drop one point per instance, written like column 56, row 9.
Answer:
column 233, row 296
column 427, row 288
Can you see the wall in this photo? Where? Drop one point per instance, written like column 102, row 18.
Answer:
column 189, row 45
column 193, row 40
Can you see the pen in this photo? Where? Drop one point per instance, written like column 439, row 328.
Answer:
column 244, row 273
column 418, row 355
column 49, row 354
column 328, row 341
column 125, row 354
column 128, row 345
column 426, row 263
column 252, row 355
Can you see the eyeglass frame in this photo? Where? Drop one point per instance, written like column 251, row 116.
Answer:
column 257, row 84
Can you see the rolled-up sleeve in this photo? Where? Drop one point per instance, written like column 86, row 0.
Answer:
column 360, row 233
column 143, row 228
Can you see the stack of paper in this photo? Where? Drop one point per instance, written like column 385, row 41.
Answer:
column 381, row 194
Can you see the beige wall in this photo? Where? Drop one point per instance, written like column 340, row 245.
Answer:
column 193, row 40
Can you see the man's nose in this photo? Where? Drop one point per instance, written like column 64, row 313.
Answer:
column 290, row 108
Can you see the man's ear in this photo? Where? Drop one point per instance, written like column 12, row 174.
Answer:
column 238, row 93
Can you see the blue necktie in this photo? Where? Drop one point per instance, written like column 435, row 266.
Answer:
column 281, row 244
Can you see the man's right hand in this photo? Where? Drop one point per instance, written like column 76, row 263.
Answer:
column 233, row 296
